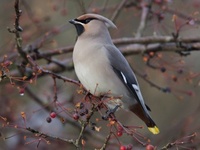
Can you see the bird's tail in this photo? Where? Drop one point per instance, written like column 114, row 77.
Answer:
column 154, row 129
column 144, row 115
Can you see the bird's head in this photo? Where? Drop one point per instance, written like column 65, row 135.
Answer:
column 91, row 24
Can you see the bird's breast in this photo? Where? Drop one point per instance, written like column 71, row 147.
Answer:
column 94, row 71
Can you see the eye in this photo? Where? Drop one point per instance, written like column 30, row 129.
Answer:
column 85, row 21
column 88, row 20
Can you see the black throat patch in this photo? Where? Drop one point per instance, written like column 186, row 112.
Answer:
column 79, row 28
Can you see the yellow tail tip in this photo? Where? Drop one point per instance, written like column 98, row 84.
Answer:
column 154, row 130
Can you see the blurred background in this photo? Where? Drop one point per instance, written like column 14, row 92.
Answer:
column 172, row 94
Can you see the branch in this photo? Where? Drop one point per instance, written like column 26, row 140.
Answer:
column 41, row 70
column 39, row 42
column 154, row 39
column 193, row 41
column 106, row 141
column 180, row 14
column 159, row 43
column 143, row 76
column 118, row 10
column 30, row 14
column 82, row 6
column 165, row 9
column 128, row 41
column 54, row 52
column 146, row 7
column 17, row 29
column 125, row 41
column 181, row 142
column 171, row 47
column 41, row 134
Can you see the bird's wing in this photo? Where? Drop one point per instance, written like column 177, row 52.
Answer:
column 125, row 73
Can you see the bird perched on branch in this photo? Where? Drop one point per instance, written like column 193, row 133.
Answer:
column 103, row 70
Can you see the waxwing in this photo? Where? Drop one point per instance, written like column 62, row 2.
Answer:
column 103, row 70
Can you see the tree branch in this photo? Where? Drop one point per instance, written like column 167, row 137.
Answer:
column 41, row 134
column 181, row 15
column 118, row 10
column 146, row 7
column 17, row 29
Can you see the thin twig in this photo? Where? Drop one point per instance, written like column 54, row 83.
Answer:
column 181, row 14
column 148, row 81
column 38, row 133
column 55, row 89
column 39, row 69
column 82, row 6
column 17, row 29
column 47, row 107
column 180, row 142
column 165, row 9
column 146, row 7
column 106, row 141
column 30, row 13
column 118, row 10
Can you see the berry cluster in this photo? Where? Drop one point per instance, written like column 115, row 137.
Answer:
column 52, row 116
column 126, row 147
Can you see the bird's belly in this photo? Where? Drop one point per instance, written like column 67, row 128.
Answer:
column 101, row 81
column 95, row 81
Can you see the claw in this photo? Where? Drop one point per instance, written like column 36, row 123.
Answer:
column 110, row 112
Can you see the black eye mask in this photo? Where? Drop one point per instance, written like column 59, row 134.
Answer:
column 85, row 21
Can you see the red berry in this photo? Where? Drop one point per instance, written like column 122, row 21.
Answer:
column 129, row 147
column 119, row 133
column 75, row 116
column 53, row 115
column 7, row 63
column 122, row 147
column 149, row 147
column 120, row 128
column 21, row 91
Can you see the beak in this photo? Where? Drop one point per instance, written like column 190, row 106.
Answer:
column 72, row 21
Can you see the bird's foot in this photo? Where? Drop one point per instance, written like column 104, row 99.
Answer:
column 110, row 113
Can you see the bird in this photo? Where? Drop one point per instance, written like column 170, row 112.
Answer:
column 103, row 70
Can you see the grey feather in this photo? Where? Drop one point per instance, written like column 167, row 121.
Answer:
column 123, row 70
